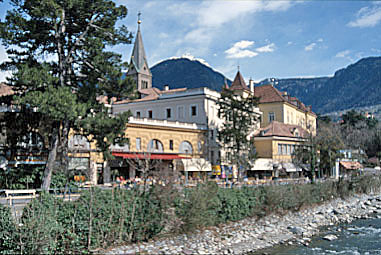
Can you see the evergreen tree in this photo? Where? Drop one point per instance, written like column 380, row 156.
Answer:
column 60, row 65
column 239, row 117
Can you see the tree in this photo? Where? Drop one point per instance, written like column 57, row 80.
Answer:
column 239, row 117
column 58, row 56
column 324, row 146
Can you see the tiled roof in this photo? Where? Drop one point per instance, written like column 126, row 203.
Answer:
column 150, row 94
column 239, row 83
column 276, row 128
column 269, row 94
column 351, row 165
column 5, row 90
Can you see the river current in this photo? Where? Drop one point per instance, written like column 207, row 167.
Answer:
column 361, row 237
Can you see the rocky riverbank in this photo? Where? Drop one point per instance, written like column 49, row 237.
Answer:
column 251, row 234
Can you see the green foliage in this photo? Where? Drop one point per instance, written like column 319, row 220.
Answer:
column 8, row 232
column 60, row 65
column 239, row 115
column 21, row 177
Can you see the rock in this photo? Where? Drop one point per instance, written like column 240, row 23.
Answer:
column 330, row 237
column 296, row 230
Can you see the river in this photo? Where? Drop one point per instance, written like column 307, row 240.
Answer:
column 361, row 237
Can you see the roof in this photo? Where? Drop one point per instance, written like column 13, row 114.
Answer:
column 150, row 94
column 351, row 165
column 5, row 90
column 239, row 83
column 138, row 57
column 269, row 94
column 276, row 128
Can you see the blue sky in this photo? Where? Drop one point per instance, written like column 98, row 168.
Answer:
column 265, row 38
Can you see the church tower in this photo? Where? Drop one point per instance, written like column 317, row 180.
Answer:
column 138, row 68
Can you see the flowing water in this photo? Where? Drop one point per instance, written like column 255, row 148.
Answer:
column 361, row 237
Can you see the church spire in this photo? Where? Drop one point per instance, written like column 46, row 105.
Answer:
column 139, row 69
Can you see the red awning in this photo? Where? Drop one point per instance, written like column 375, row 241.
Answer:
column 131, row 155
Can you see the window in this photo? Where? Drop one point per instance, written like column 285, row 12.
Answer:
column 138, row 144
column 185, row 147
column 150, row 114
column 193, row 110
column 137, row 114
column 279, row 149
column 180, row 113
column 212, row 134
column 212, row 157
column 288, row 149
column 144, row 84
column 271, row 116
column 171, row 145
column 155, row 146
column 284, row 149
column 168, row 113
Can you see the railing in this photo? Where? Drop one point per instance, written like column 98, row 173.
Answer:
column 167, row 123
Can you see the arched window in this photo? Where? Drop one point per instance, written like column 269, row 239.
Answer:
column 185, row 147
column 79, row 142
column 155, row 146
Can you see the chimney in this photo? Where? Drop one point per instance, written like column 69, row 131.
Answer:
column 166, row 87
column 251, row 85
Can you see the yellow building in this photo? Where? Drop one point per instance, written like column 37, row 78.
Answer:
column 275, row 145
column 279, row 106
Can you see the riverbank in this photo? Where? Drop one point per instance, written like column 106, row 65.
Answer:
column 252, row 234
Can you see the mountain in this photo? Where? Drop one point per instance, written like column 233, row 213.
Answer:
column 354, row 87
column 357, row 86
column 183, row 72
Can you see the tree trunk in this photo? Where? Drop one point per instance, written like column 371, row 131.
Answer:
column 51, row 162
column 106, row 172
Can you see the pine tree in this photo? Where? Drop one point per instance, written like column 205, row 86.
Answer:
column 58, row 56
column 239, row 117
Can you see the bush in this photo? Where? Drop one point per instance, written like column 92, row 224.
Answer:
column 8, row 232
column 99, row 218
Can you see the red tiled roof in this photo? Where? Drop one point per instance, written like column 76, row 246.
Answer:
column 150, row 94
column 268, row 94
column 239, row 83
column 5, row 90
column 351, row 165
column 276, row 128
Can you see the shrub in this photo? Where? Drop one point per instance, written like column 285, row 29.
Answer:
column 8, row 232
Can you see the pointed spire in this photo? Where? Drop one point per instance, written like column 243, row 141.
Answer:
column 239, row 83
column 138, row 58
column 139, row 68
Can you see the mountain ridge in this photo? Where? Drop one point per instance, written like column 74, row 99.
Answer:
column 355, row 86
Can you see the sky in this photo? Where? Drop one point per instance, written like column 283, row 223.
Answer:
column 264, row 39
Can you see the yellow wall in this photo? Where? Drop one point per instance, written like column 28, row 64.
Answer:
column 268, row 148
column 276, row 108
column 264, row 148
column 163, row 134
column 288, row 114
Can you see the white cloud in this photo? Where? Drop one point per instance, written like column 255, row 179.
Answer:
column 310, row 47
column 320, row 40
column 267, row 48
column 367, row 17
column 217, row 13
column 343, row 54
column 289, row 43
column 239, row 50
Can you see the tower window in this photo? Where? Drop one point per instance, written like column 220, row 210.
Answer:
column 168, row 113
column 150, row 114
